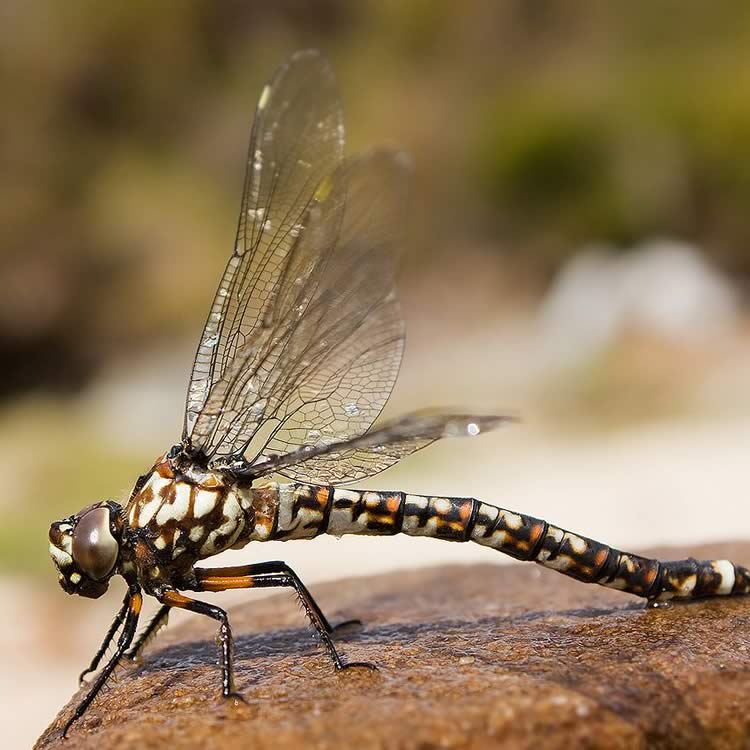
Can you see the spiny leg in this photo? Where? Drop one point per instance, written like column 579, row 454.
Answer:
column 119, row 618
column 158, row 621
column 278, row 566
column 134, row 604
column 175, row 599
column 270, row 575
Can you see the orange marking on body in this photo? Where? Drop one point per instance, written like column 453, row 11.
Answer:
column 175, row 599
column 441, row 523
column 265, row 523
column 136, row 602
column 164, row 470
column 535, row 533
column 220, row 579
column 464, row 512
column 650, row 578
column 601, row 556
column 393, row 503
column 321, row 495
column 223, row 583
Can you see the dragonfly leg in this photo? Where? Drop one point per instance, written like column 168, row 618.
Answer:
column 119, row 619
column 158, row 621
column 271, row 575
column 175, row 599
column 277, row 566
column 134, row 604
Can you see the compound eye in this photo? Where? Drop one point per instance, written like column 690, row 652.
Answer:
column 94, row 548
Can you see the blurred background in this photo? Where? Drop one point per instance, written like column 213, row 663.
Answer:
column 578, row 254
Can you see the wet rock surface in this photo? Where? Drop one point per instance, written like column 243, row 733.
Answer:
column 469, row 657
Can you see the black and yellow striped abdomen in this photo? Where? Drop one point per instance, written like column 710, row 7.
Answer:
column 305, row 511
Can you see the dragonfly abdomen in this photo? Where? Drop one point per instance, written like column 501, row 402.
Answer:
column 306, row 510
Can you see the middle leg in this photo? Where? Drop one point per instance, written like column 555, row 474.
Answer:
column 174, row 599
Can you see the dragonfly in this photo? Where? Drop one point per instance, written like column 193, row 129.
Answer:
column 298, row 356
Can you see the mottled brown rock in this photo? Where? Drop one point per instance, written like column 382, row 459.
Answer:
column 470, row 657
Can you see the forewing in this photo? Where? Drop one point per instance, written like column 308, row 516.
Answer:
column 297, row 139
column 376, row 450
column 325, row 364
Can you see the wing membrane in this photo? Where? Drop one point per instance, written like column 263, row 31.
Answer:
column 328, row 355
column 304, row 337
column 297, row 139
column 376, row 450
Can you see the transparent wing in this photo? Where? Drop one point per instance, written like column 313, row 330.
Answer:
column 297, row 139
column 324, row 360
column 304, row 338
column 375, row 451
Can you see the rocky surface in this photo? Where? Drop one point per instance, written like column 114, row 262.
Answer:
column 469, row 657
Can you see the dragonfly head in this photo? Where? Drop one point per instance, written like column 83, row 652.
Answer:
column 85, row 547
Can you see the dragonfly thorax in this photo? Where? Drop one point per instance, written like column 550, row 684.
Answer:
column 181, row 514
column 85, row 548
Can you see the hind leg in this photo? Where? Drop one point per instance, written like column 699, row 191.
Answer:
column 270, row 575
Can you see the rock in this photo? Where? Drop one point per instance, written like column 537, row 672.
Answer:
column 470, row 657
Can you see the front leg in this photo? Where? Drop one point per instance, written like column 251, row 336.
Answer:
column 119, row 619
column 134, row 603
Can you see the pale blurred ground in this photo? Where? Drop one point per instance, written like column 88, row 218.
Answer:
column 641, row 441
